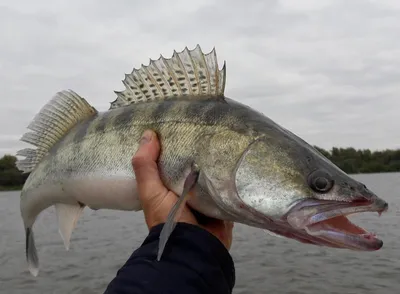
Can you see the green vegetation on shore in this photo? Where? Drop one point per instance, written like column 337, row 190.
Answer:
column 350, row 160
column 364, row 161
column 10, row 177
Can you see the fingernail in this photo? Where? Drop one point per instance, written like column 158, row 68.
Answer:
column 146, row 137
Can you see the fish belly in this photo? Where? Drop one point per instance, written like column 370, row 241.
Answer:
column 96, row 192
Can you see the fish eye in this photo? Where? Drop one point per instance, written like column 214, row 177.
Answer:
column 320, row 181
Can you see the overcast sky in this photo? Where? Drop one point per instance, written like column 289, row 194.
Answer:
column 327, row 70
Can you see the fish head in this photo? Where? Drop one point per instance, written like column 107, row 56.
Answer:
column 300, row 194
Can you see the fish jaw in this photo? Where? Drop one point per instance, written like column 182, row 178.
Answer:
column 324, row 222
column 276, row 182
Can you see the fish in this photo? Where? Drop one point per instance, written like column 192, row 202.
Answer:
column 223, row 158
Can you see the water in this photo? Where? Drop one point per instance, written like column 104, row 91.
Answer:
column 104, row 240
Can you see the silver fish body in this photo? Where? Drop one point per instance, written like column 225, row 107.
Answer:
column 251, row 170
column 92, row 163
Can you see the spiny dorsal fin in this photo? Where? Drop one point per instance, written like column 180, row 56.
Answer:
column 52, row 123
column 190, row 72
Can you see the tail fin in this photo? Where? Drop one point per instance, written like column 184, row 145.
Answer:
column 31, row 254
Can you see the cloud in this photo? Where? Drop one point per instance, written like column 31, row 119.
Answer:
column 327, row 70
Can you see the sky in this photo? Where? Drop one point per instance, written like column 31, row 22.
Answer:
column 329, row 71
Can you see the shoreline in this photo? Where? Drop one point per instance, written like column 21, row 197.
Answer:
column 10, row 189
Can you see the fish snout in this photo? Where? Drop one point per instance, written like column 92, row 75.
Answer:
column 380, row 205
column 376, row 203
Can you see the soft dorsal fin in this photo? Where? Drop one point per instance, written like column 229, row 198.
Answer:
column 52, row 123
column 190, row 72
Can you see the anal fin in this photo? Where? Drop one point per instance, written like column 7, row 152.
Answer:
column 68, row 215
column 176, row 210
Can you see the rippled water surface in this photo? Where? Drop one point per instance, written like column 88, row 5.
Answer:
column 103, row 240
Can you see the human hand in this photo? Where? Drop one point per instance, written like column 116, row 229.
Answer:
column 157, row 200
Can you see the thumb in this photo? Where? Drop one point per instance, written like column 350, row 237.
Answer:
column 149, row 184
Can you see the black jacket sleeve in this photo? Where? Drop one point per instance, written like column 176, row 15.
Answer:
column 194, row 261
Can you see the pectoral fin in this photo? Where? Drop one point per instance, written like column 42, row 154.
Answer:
column 176, row 211
column 68, row 215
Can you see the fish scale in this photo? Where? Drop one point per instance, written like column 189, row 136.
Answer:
column 238, row 164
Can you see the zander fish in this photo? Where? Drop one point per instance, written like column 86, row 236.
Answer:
column 237, row 164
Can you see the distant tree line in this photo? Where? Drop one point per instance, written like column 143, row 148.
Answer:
column 10, row 177
column 364, row 161
column 350, row 160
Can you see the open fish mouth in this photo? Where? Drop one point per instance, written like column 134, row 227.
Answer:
column 325, row 223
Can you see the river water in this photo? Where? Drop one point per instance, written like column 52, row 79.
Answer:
column 103, row 240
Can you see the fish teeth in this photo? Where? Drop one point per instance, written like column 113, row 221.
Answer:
column 370, row 235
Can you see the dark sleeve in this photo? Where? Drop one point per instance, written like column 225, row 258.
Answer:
column 194, row 261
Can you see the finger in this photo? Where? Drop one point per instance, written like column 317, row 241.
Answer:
column 229, row 237
column 229, row 225
column 145, row 167
column 149, row 146
column 221, row 229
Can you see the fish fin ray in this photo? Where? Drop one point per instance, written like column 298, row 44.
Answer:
column 31, row 253
column 273, row 234
column 187, row 73
column 176, row 210
column 51, row 124
column 67, row 215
